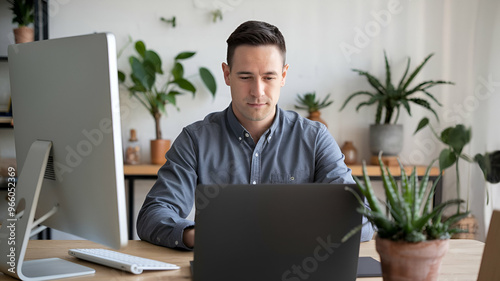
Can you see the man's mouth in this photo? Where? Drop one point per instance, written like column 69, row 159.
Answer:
column 256, row 105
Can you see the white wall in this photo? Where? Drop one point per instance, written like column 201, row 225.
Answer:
column 315, row 32
column 318, row 33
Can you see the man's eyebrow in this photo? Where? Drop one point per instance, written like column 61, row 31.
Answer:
column 244, row 73
column 250, row 73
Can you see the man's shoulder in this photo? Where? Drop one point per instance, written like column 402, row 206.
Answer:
column 214, row 119
column 293, row 119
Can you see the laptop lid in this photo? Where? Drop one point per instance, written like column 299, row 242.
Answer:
column 275, row 232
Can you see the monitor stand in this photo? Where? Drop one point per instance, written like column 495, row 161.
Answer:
column 16, row 229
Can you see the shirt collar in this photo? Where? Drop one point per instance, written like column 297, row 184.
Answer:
column 239, row 131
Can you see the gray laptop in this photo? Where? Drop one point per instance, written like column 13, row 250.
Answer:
column 275, row 232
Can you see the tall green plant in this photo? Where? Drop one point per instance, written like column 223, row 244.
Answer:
column 409, row 216
column 390, row 98
column 146, row 71
column 455, row 138
column 23, row 11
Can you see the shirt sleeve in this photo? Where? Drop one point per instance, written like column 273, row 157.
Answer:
column 162, row 218
column 330, row 168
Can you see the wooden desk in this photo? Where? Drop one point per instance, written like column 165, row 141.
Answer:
column 460, row 263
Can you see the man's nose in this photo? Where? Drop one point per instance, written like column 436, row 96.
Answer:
column 258, row 88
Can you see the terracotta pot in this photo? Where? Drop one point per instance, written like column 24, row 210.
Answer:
column 24, row 34
column 411, row 261
column 315, row 116
column 158, row 150
column 350, row 152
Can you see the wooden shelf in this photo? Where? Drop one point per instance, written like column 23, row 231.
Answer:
column 374, row 170
column 141, row 170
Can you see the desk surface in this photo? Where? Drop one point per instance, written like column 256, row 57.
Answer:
column 460, row 263
column 357, row 170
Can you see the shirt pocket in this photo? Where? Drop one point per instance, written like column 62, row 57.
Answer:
column 298, row 176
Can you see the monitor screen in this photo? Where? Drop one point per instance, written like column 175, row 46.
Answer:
column 66, row 109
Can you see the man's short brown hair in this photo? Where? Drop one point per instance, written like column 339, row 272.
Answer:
column 255, row 33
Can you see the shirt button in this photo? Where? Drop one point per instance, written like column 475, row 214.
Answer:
column 176, row 243
column 254, row 182
column 292, row 178
column 247, row 135
column 256, row 154
column 239, row 138
column 269, row 138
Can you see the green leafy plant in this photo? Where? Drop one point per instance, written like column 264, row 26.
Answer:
column 409, row 216
column 309, row 102
column 146, row 70
column 390, row 97
column 23, row 10
column 455, row 139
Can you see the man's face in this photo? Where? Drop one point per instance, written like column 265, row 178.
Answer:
column 255, row 77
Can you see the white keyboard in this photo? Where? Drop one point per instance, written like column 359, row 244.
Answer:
column 121, row 261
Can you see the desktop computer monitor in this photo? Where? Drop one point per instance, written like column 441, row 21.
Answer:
column 68, row 148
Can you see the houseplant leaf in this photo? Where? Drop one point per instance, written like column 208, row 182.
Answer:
column 490, row 165
column 177, row 71
column 140, row 47
column 154, row 59
column 208, row 80
column 121, row 76
column 184, row 84
column 416, row 71
column 184, row 55
column 424, row 122
column 446, row 159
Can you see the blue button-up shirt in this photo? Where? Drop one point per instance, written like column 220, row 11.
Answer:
column 218, row 150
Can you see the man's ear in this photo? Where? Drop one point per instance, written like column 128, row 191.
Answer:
column 283, row 74
column 226, row 70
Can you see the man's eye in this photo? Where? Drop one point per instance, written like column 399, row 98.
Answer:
column 270, row 78
column 244, row 77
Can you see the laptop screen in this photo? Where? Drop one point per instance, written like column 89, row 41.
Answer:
column 275, row 232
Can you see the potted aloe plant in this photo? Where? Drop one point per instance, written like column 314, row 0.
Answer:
column 411, row 237
column 386, row 135
column 24, row 15
column 146, row 71
column 455, row 138
column 309, row 102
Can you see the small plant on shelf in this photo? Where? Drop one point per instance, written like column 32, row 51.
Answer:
column 23, row 11
column 309, row 102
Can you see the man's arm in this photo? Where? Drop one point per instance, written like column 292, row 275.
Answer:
column 161, row 219
column 330, row 167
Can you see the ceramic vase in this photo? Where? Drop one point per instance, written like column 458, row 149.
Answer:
column 316, row 116
column 350, row 152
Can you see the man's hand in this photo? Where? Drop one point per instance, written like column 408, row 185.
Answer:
column 188, row 237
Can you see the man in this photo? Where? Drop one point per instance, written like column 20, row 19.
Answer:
column 252, row 141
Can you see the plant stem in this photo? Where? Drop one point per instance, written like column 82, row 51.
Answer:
column 458, row 185
column 157, row 117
